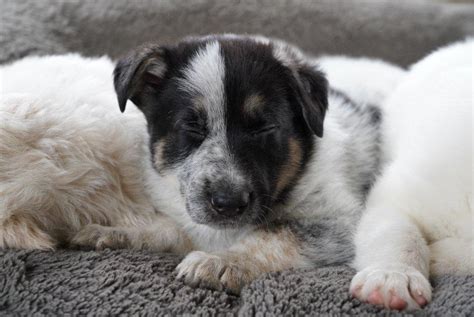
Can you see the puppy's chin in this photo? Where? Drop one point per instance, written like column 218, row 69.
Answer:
column 210, row 218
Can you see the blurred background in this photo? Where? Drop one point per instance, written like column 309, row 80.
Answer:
column 400, row 31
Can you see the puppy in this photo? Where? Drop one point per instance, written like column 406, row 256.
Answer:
column 419, row 219
column 228, row 154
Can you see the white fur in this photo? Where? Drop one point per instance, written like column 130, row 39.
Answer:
column 420, row 209
column 364, row 80
column 205, row 75
column 62, row 158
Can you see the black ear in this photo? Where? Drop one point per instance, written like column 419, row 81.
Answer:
column 143, row 68
column 311, row 90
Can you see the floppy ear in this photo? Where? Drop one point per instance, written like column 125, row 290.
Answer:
column 135, row 73
column 311, row 90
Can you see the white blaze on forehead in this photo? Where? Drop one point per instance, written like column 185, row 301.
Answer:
column 204, row 77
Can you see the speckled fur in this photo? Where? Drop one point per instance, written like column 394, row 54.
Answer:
column 321, row 211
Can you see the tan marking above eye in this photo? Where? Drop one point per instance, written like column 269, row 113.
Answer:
column 253, row 103
column 291, row 167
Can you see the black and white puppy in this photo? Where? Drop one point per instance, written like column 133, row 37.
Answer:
column 247, row 168
column 236, row 136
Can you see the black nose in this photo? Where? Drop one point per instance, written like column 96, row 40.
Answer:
column 230, row 204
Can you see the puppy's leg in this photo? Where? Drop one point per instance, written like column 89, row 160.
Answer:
column 392, row 258
column 22, row 232
column 162, row 235
column 426, row 188
column 260, row 252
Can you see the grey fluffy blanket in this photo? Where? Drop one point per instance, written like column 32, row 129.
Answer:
column 126, row 282
column 400, row 31
column 131, row 282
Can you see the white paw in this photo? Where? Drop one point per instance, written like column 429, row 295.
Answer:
column 395, row 286
column 218, row 272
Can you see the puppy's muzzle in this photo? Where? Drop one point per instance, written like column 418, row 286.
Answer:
column 230, row 202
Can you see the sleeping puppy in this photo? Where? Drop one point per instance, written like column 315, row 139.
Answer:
column 236, row 137
column 419, row 218
column 228, row 154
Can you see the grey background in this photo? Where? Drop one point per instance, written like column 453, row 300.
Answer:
column 400, row 31
column 127, row 282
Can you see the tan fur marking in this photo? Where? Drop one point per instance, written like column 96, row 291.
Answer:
column 20, row 232
column 158, row 157
column 269, row 250
column 289, row 170
column 253, row 103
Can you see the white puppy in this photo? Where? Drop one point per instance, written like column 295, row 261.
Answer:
column 419, row 221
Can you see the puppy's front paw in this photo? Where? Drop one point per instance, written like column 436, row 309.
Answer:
column 100, row 237
column 395, row 286
column 218, row 272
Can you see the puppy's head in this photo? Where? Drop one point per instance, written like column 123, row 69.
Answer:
column 232, row 117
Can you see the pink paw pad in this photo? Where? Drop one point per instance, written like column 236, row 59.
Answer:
column 419, row 299
column 397, row 303
column 375, row 298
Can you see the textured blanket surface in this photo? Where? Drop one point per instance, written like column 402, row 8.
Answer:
column 127, row 282
column 400, row 31
column 131, row 282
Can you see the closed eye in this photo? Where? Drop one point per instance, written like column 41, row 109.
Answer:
column 195, row 131
column 265, row 130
